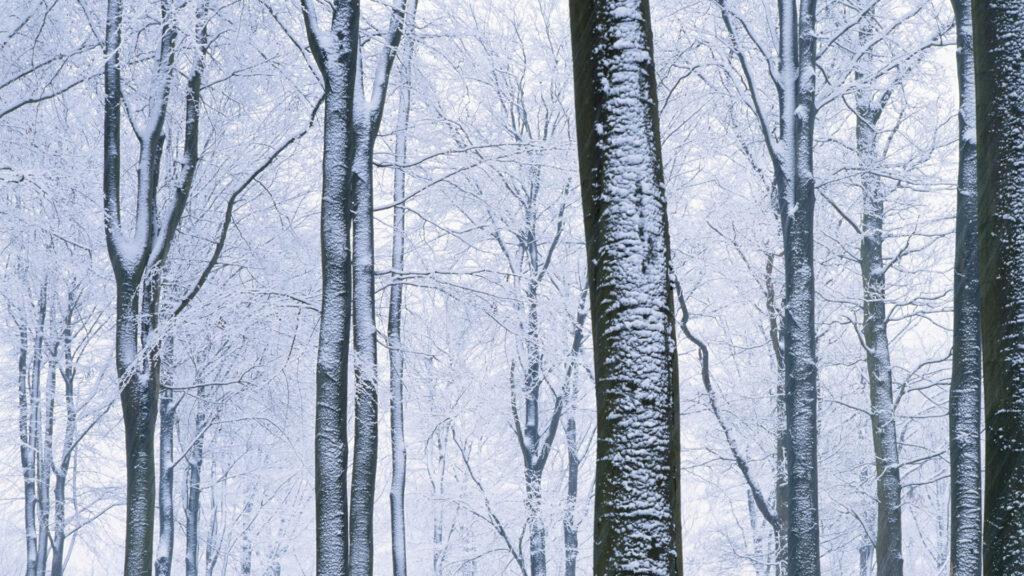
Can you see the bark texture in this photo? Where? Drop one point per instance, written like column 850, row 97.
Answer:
column 965, row 384
column 999, row 60
column 796, row 207
column 637, row 515
column 335, row 54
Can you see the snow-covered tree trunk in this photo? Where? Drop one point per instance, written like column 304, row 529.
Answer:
column 62, row 468
column 165, row 539
column 335, row 54
column 965, row 384
column 27, row 451
column 570, row 533
column 889, row 534
column 129, row 256
column 396, row 354
column 999, row 61
column 796, row 198
column 637, row 507
column 45, row 458
column 245, row 562
column 781, row 477
column 366, row 119
column 364, row 349
column 193, row 479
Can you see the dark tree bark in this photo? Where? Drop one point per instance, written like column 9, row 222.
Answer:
column 26, row 451
column 335, row 54
column 367, row 115
column 130, row 255
column 889, row 534
column 796, row 207
column 868, row 109
column 637, row 499
column 999, row 60
column 965, row 384
column 165, row 540
column 193, row 478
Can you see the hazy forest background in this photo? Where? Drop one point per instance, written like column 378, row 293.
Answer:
column 474, row 171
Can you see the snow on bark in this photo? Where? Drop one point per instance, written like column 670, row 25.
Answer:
column 364, row 348
column 25, row 424
column 62, row 468
column 965, row 384
column 366, row 118
column 396, row 354
column 165, row 539
column 193, row 478
column 999, row 51
column 796, row 199
column 637, row 515
column 335, row 54
column 889, row 533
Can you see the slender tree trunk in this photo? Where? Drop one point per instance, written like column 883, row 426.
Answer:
column 781, row 477
column 36, row 430
column 366, row 118
column 70, row 438
column 27, row 450
column 336, row 54
column 965, row 384
column 364, row 338
column 247, row 519
column 569, row 531
column 538, row 554
column 889, row 535
column 165, row 540
column 637, row 509
column 534, row 452
column 193, row 479
column 46, row 459
column 798, row 327
column 396, row 353
column 212, row 548
column 999, row 58
column 438, row 471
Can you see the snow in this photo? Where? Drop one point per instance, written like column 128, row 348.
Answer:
column 631, row 283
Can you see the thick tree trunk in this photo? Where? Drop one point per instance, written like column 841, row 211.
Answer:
column 999, row 59
column 889, row 534
column 637, row 508
column 138, row 403
column 396, row 354
column 965, row 384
